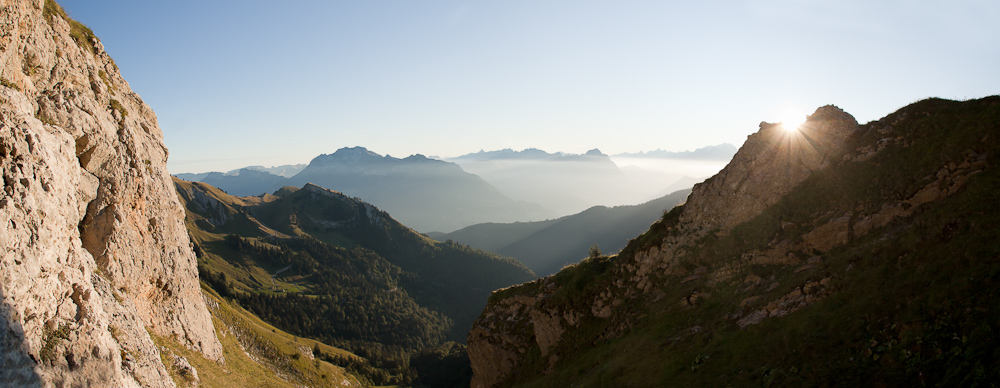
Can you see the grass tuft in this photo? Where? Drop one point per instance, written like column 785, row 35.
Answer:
column 81, row 34
column 8, row 84
column 52, row 339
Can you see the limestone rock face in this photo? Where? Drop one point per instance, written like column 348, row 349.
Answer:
column 95, row 253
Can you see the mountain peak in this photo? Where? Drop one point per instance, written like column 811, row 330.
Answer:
column 347, row 156
column 769, row 164
column 594, row 152
column 357, row 151
column 830, row 112
column 314, row 188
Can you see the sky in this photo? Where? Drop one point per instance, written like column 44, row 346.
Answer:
column 239, row 83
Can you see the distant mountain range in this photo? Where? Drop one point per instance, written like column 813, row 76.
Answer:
column 287, row 171
column 527, row 154
column 488, row 186
column 571, row 183
column 723, row 152
column 547, row 246
column 426, row 194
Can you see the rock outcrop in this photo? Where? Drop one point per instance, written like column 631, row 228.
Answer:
column 95, row 254
column 768, row 165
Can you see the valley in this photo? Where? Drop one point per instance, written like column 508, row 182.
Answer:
column 350, row 275
column 826, row 252
column 548, row 246
column 442, row 196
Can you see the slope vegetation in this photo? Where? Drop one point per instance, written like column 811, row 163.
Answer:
column 839, row 255
column 322, row 265
column 259, row 355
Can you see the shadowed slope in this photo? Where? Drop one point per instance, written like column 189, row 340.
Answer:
column 863, row 258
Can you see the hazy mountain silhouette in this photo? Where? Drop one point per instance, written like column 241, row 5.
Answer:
column 250, row 182
column 547, row 246
column 193, row 177
column 722, row 152
column 287, row 171
column 244, row 182
column 571, row 183
column 488, row 186
column 426, row 194
column 565, row 183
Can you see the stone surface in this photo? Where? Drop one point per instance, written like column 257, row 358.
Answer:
column 95, row 253
column 830, row 234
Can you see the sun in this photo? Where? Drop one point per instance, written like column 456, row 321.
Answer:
column 791, row 121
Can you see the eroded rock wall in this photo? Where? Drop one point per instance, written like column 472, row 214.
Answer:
column 95, row 253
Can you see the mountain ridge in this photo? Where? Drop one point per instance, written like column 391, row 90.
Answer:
column 531, row 243
column 566, row 183
column 766, row 274
column 724, row 151
column 321, row 264
column 427, row 194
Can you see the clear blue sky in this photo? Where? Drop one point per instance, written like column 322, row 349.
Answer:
column 236, row 83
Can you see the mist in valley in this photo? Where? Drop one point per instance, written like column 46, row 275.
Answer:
column 569, row 184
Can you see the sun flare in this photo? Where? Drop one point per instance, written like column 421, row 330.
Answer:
column 792, row 121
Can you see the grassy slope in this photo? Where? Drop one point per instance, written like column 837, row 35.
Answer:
column 256, row 354
column 913, row 303
column 361, row 255
column 493, row 236
column 217, row 257
column 450, row 278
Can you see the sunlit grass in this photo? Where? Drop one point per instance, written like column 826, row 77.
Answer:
column 272, row 359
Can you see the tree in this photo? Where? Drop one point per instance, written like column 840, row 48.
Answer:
column 595, row 251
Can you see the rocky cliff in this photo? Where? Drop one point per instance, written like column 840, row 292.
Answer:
column 95, row 254
column 779, row 229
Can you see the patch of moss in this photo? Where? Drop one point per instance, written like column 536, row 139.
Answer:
column 51, row 340
column 107, row 81
column 45, row 119
column 117, row 106
column 8, row 84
